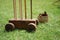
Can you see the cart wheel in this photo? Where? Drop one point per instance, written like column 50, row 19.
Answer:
column 31, row 27
column 9, row 27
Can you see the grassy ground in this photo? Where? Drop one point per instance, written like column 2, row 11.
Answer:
column 44, row 31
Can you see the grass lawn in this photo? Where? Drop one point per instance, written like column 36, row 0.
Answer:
column 44, row 31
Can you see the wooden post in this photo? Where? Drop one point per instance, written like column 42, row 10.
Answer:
column 14, row 7
column 31, row 7
column 25, row 9
column 20, row 9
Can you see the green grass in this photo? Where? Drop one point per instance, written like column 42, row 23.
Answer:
column 44, row 31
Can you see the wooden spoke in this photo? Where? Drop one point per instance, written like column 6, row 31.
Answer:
column 25, row 9
column 20, row 9
column 14, row 7
column 31, row 7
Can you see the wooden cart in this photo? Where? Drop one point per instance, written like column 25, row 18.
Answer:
column 21, row 23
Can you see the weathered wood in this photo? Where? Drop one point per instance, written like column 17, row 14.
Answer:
column 22, row 24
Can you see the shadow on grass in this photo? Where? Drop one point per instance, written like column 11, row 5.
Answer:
column 19, row 30
column 57, row 4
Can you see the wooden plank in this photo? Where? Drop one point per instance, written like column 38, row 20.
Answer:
column 22, row 23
